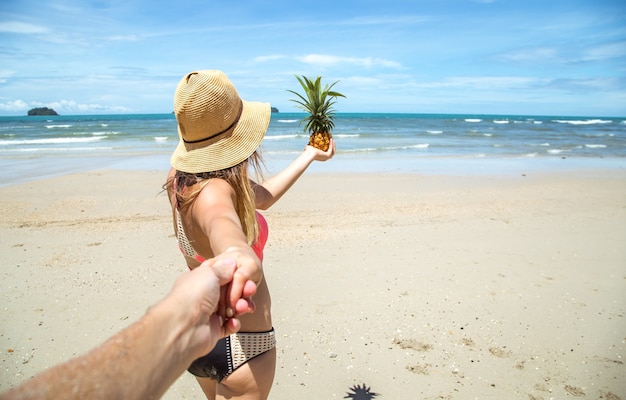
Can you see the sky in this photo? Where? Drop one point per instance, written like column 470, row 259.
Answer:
column 521, row 57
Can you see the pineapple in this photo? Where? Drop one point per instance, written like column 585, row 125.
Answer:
column 318, row 103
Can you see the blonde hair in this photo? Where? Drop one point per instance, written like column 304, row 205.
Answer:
column 237, row 177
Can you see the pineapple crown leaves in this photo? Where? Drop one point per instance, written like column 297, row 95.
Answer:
column 318, row 103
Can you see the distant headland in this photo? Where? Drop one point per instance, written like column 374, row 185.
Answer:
column 274, row 109
column 42, row 111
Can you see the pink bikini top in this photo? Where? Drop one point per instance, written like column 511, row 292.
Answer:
column 187, row 249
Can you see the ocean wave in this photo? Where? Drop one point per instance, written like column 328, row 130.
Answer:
column 51, row 141
column 595, row 146
column 387, row 148
column 346, row 135
column 557, row 151
column 55, row 149
column 501, row 121
column 160, row 138
column 432, row 132
column 282, row 137
column 287, row 121
column 101, row 133
column 58, row 126
column 473, row 120
column 584, row 122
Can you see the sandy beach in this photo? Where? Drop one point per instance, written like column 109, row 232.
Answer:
column 416, row 286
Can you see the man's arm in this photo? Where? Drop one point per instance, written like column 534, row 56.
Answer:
column 143, row 360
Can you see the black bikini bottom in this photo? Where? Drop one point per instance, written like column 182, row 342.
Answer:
column 231, row 353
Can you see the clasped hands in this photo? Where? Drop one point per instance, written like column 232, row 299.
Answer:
column 213, row 296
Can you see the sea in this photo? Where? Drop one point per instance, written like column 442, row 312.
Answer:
column 36, row 147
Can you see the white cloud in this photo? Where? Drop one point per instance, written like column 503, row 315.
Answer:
column 330, row 60
column 70, row 106
column 125, row 38
column 61, row 107
column 13, row 106
column 385, row 20
column 589, row 84
column 606, row 51
column 484, row 82
column 21, row 27
column 530, row 55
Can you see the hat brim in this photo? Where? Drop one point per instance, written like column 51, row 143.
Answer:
column 228, row 149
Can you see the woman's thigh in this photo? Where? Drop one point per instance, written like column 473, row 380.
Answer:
column 251, row 381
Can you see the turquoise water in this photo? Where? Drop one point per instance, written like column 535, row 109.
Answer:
column 36, row 147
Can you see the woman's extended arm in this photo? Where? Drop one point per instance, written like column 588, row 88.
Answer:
column 270, row 191
column 214, row 212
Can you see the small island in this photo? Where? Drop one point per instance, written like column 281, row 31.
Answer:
column 274, row 109
column 42, row 111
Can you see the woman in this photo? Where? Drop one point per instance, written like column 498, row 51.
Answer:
column 214, row 205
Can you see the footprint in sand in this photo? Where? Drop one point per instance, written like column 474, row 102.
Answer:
column 500, row 353
column 412, row 344
column 574, row 391
column 419, row 369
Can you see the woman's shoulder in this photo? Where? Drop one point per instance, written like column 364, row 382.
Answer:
column 216, row 189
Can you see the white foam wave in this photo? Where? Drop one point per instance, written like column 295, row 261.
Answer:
column 390, row 148
column 281, row 137
column 104, row 133
column 58, row 126
column 501, row 121
column 51, row 141
column 595, row 146
column 413, row 146
column 556, row 151
column 345, row 135
column 584, row 122
column 435, row 132
column 473, row 119
column 287, row 121
column 160, row 138
column 55, row 149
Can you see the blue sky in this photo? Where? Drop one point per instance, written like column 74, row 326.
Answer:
column 557, row 57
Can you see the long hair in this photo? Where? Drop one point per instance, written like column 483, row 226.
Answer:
column 187, row 187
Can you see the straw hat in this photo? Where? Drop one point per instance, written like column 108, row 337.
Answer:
column 216, row 128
